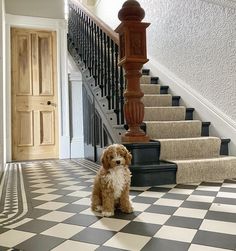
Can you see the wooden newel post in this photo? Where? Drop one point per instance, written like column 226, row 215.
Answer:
column 132, row 34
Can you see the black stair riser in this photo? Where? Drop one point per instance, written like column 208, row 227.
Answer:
column 175, row 100
column 164, row 89
column 152, row 175
column 145, row 71
column 224, row 150
column 154, row 80
column 205, row 128
column 189, row 114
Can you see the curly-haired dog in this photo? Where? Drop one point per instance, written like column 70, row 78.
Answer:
column 112, row 182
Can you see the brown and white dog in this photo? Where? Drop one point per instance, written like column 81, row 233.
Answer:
column 112, row 182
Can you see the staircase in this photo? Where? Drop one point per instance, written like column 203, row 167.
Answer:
column 182, row 150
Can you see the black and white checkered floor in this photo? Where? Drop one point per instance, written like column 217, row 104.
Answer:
column 46, row 206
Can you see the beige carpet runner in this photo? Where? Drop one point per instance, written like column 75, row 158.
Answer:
column 197, row 158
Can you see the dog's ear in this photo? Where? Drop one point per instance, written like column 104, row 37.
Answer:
column 128, row 157
column 104, row 159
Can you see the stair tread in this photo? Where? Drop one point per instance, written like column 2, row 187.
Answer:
column 173, row 122
column 220, row 157
column 190, row 139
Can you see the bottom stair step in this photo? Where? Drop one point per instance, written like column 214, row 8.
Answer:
column 208, row 169
column 156, row 174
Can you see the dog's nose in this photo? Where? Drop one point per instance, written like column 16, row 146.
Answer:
column 118, row 162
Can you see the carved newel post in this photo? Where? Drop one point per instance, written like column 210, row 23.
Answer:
column 132, row 34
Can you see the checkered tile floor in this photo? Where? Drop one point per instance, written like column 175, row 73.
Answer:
column 195, row 217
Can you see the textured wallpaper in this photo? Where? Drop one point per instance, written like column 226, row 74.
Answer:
column 196, row 40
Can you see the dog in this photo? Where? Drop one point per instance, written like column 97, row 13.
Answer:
column 112, row 182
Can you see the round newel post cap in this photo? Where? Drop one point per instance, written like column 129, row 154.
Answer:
column 131, row 11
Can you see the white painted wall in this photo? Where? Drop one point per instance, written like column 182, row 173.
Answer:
column 37, row 8
column 2, row 80
column 194, row 42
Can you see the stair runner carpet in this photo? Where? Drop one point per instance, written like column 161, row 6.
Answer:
column 198, row 158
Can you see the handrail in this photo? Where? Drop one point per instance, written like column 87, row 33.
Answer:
column 103, row 26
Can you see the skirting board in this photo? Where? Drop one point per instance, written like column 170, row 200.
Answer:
column 221, row 125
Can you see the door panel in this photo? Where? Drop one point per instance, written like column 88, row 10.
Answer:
column 34, row 95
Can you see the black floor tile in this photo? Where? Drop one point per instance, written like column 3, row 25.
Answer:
column 103, row 248
column 141, row 228
column 40, row 243
column 36, row 226
column 158, row 209
column 156, row 244
column 36, row 213
column 67, row 199
column 82, row 220
column 204, row 193
column 186, row 222
column 196, row 205
column 221, row 216
column 93, row 235
column 175, row 196
column 142, row 199
column 221, row 200
column 72, row 208
column 217, row 240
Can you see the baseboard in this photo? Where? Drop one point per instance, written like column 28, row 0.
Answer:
column 221, row 125
column 77, row 148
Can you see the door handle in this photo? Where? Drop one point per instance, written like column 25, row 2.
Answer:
column 51, row 103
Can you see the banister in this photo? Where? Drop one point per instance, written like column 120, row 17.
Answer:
column 103, row 26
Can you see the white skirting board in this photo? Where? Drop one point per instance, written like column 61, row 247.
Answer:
column 221, row 125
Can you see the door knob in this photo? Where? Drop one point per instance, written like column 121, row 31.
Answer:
column 49, row 103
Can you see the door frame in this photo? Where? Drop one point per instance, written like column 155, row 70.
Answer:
column 60, row 26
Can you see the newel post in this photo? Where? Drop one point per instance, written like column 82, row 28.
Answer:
column 132, row 34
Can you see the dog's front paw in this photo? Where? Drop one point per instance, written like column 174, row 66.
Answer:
column 98, row 208
column 127, row 210
column 107, row 214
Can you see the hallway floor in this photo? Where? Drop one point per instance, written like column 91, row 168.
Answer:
column 45, row 205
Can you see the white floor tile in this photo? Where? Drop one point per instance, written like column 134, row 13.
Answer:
column 140, row 206
column 194, row 247
column 51, row 205
column 48, row 197
column 191, row 212
column 209, row 188
column 42, row 185
column 88, row 211
column 110, row 224
column 56, row 216
column 219, row 226
column 152, row 218
column 223, row 208
column 181, row 191
column 152, row 194
column 44, row 190
column 226, row 195
column 84, row 201
column 201, row 198
column 75, row 246
column 13, row 237
column 74, row 188
column 69, row 183
column 127, row 241
column 80, row 194
column 168, row 202
column 230, row 185
column 176, row 233
column 65, row 231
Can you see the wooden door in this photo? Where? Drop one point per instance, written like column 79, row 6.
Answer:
column 34, row 95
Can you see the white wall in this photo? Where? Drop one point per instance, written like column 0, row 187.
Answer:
column 194, row 42
column 37, row 8
column 2, row 79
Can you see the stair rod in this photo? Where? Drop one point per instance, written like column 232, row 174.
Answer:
column 91, row 41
